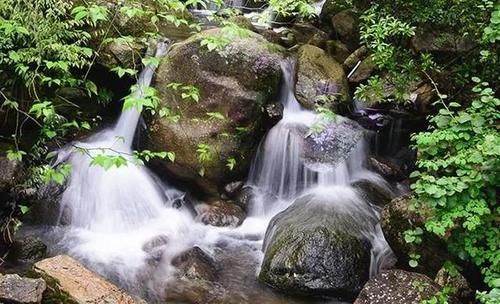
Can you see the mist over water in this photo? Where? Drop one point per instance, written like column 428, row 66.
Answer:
column 114, row 213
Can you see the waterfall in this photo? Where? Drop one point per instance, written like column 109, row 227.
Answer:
column 113, row 213
column 282, row 171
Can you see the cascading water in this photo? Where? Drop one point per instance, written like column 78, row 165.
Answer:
column 284, row 170
column 113, row 214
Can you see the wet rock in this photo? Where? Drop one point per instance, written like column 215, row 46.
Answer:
column 272, row 36
column 243, row 22
column 363, row 71
column 397, row 286
column 27, row 249
column 307, row 34
column 337, row 50
column 319, row 76
column 69, row 281
column 357, row 56
column 245, row 197
column 221, row 214
column 235, row 83
column 376, row 192
column 196, row 278
column 155, row 248
column 196, row 264
column 461, row 290
column 232, row 189
column 441, row 42
column 316, row 246
column 346, row 27
column 18, row 290
column 389, row 170
column 332, row 143
column 397, row 217
column 45, row 207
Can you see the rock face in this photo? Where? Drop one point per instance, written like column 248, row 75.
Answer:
column 69, row 281
column 316, row 246
column 320, row 79
column 18, row 290
column 397, row 286
column 234, row 84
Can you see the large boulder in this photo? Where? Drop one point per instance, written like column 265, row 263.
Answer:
column 397, row 286
column 19, row 290
column 235, row 84
column 321, row 245
column 10, row 171
column 69, row 282
column 320, row 79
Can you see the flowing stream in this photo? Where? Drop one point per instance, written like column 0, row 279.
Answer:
column 113, row 214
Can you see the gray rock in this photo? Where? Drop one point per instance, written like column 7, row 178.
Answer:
column 19, row 290
column 397, row 286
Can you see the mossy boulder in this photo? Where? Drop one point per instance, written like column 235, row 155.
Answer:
column 320, row 79
column 235, row 84
column 317, row 246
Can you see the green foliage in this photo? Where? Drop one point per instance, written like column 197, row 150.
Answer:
column 458, row 175
column 141, row 98
column 294, row 8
